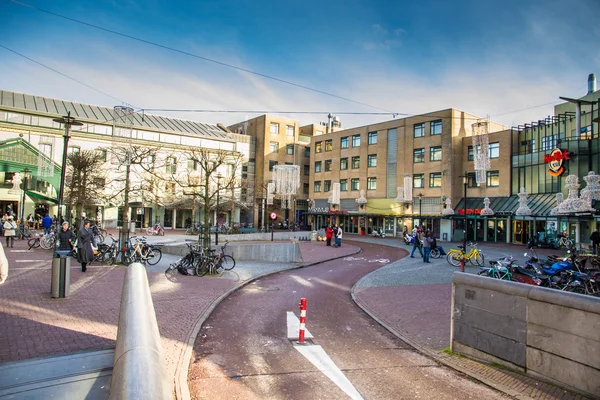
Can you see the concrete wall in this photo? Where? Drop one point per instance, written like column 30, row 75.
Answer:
column 546, row 333
column 287, row 252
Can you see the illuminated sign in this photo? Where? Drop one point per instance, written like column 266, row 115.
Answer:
column 470, row 211
column 556, row 161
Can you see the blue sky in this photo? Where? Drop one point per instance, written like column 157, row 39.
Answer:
column 484, row 57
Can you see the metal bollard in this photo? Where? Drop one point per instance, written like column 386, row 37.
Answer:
column 302, row 307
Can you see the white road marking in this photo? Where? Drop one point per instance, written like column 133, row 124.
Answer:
column 22, row 261
column 21, row 251
column 293, row 326
column 317, row 356
column 380, row 260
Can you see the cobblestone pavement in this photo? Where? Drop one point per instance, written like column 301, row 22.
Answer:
column 413, row 299
column 32, row 324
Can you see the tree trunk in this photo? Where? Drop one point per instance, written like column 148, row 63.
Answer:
column 125, row 212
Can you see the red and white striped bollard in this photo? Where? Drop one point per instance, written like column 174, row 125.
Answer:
column 302, row 307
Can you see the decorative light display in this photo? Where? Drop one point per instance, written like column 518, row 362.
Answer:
column 486, row 210
column 46, row 155
column 523, row 200
column 334, row 198
column 408, row 192
column 573, row 203
column 16, row 182
column 287, row 182
column 593, row 185
column 123, row 122
column 481, row 159
column 362, row 200
column 400, row 198
column 448, row 210
column 270, row 191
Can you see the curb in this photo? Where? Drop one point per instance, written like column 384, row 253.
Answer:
column 182, row 391
column 432, row 354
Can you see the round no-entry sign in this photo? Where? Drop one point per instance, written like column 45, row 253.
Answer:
column 273, row 216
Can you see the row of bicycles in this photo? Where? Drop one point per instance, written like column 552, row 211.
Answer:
column 575, row 272
column 48, row 241
column 200, row 261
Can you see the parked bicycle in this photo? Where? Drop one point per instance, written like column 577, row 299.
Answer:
column 474, row 256
column 215, row 262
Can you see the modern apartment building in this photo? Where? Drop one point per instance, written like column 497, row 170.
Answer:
column 427, row 152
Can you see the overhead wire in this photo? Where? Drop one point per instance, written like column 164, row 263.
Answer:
column 183, row 52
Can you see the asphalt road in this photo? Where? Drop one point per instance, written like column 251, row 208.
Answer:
column 242, row 351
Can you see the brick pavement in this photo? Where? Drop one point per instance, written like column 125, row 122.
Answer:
column 32, row 324
column 401, row 297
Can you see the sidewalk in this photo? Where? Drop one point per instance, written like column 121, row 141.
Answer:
column 413, row 300
column 32, row 324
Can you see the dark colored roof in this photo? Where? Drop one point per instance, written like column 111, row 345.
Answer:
column 104, row 115
column 540, row 204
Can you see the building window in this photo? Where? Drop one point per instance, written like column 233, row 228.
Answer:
column 527, row 146
column 272, row 164
column 274, row 128
column 305, row 188
column 74, row 149
column 354, row 184
column 471, row 154
column 472, row 180
column 435, row 127
column 318, row 133
column 306, row 170
column 492, row 178
column 372, row 137
column 318, row 147
column 343, row 185
column 435, row 153
column 355, row 140
column 328, row 145
column 494, row 150
column 306, row 151
column 327, row 165
column 371, row 183
column 326, row 186
column 171, row 165
column 548, row 142
column 274, row 146
column 317, row 166
column 356, row 162
column 289, row 130
column 372, row 160
column 419, row 130
column 344, row 142
column 343, row 164
column 317, row 186
column 100, row 152
column 435, row 180
column 192, row 165
column 418, row 155
column 418, row 181
column 289, row 149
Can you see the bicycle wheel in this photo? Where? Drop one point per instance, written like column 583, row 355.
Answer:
column 435, row 253
column 46, row 243
column 477, row 259
column 109, row 258
column 228, row 262
column 154, row 256
column 202, row 267
column 454, row 259
column 33, row 243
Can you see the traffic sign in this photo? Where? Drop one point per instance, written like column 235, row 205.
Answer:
column 273, row 216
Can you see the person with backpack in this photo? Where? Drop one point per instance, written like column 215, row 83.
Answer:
column 416, row 244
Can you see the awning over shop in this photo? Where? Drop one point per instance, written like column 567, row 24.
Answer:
column 39, row 196
column 17, row 154
column 540, row 204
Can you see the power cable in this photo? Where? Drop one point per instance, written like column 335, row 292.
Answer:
column 197, row 56
column 62, row 74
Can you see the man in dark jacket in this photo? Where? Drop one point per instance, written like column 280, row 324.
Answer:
column 84, row 245
column 595, row 238
column 47, row 223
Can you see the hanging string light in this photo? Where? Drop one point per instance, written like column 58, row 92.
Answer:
column 448, row 210
column 408, row 192
column 287, row 182
column 334, row 198
column 481, row 159
column 46, row 155
column 523, row 206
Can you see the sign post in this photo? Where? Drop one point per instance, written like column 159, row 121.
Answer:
column 273, row 218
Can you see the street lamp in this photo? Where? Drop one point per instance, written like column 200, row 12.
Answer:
column 68, row 121
column 420, row 196
column 219, row 176
column 465, row 183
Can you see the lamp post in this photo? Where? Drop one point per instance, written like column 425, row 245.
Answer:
column 68, row 121
column 420, row 196
column 465, row 183
column 22, row 213
column 217, row 217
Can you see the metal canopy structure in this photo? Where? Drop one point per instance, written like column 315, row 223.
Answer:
column 17, row 154
column 540, row 204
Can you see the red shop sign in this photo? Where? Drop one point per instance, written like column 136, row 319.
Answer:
column 556, row 161
column 470, row 211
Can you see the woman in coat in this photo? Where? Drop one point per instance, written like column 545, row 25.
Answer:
column 84, row 244
column 10, row 230
column 328, row 235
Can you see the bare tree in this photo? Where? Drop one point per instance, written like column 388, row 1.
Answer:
column 200, row 179
column 84, row 180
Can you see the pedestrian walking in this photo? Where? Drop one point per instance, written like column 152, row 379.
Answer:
column 416, row 244
column 3, row 265
column 328, row 235
column 65, row 237
column 427, row 246
column 338, row 237
column 47, row 224
column 84, row 244
column 595, row 238
column 10, row 230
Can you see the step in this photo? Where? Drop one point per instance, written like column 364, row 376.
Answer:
column 84, row 375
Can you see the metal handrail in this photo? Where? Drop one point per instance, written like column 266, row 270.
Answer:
column 139, row 369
